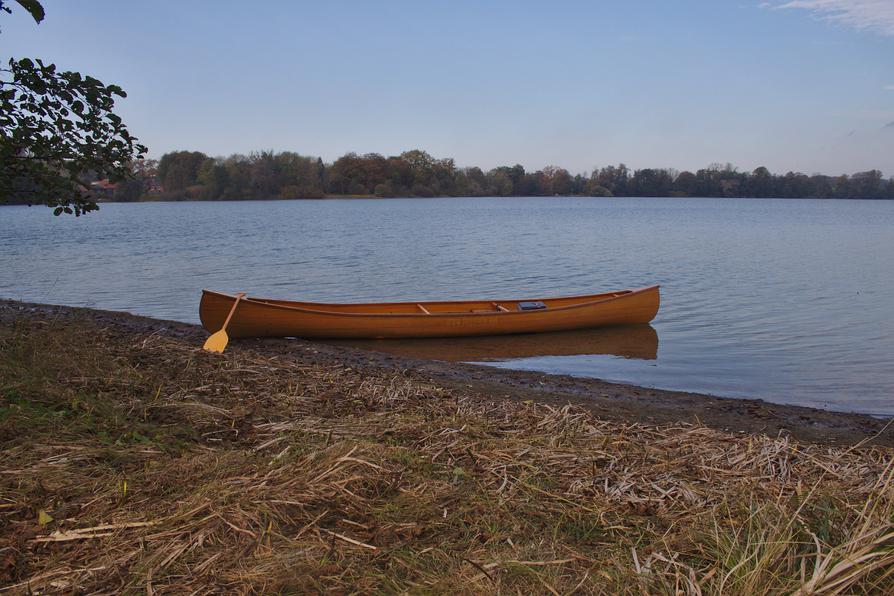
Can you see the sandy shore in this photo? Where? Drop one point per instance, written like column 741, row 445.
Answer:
column 611, row 401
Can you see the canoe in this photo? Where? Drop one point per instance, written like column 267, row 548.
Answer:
column 261, row 317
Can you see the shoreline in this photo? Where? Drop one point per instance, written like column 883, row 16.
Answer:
column 136, row 462
column 340, row 197
column 618, row 402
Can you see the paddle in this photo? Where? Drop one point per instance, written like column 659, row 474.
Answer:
column 218, row 341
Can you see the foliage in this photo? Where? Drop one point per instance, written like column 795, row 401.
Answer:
column 180, row 170
column 288, row 175
column 33, row 7
column 58, row 133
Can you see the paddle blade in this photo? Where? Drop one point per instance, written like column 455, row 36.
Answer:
column 217, row 342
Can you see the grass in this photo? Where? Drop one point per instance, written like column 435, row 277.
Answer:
column 136, row 462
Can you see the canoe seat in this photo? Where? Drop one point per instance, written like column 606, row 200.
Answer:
column 536, row 305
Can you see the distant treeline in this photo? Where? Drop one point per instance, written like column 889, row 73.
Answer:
column 265, row 175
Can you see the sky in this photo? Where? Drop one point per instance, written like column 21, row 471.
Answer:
column 804, row 85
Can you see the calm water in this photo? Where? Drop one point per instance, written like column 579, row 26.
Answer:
column 788, row 300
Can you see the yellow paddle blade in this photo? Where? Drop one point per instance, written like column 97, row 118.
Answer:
column 217, row 342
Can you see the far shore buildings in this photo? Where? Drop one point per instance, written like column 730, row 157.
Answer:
column 102, row 189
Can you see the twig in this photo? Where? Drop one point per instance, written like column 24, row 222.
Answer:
column 351, row 540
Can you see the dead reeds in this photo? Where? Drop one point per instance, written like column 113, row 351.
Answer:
column 140, row 463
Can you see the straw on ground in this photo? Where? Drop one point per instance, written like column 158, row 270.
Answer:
column 167, row 469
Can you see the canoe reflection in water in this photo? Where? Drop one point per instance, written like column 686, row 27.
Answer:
column 627, row 341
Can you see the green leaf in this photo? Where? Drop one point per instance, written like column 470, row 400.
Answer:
column 34, row 9
column 43, row 518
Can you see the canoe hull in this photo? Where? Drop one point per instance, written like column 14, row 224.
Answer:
column 268, row 318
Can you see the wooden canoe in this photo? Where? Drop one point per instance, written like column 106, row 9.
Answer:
column 260, row 317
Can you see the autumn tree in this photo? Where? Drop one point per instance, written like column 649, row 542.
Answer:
column 179, row 170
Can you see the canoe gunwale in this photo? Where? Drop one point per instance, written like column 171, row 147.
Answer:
column 588, row 300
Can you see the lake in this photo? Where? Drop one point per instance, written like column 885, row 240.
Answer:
column 786, row 300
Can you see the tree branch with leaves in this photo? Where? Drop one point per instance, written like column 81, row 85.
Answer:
column 58, row 131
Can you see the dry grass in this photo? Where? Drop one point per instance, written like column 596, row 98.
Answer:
column 166, row 469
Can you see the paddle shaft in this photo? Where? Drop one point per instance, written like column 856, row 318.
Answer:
column 239, row 297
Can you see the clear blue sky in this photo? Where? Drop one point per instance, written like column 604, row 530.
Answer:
column 805, row 85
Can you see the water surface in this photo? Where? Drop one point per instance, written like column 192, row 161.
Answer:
column 788, row 300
